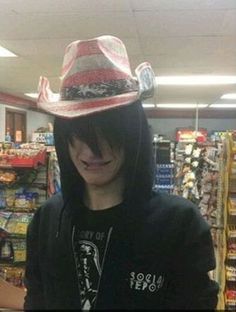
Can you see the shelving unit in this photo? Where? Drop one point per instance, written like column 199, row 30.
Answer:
column 23, row 188
column 163, row 154
column 230, row 225
column 199, row 178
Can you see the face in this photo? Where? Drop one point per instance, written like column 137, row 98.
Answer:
column 95, row 170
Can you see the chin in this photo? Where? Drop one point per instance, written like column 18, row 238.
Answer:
column 98, row 182
column 94, row 181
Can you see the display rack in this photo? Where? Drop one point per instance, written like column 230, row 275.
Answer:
column 219, row 230
column 23, row 188
column 230, row 224
column 164, row 162
column 199, row 178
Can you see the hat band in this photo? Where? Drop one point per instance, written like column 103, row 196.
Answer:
column 99, row 90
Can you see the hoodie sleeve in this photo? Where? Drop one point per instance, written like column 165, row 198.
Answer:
column 192, row 284
column 34, row 299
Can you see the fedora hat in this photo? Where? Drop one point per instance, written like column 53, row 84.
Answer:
column 96, row 76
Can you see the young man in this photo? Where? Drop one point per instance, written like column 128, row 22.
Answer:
column 108, row 242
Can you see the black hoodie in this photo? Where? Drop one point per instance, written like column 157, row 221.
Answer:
column 157, row 259
column 159, row 252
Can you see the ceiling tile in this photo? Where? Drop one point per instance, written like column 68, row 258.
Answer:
column 183, row 60
column 182, row 4
column 61, row 6
column 15, row 27
column 179, row 23
column 39, row 47
column 229, row 24
column 121, row 25
column 161, row 45
column 200, row 94
column 103, row 5
column 180, row 37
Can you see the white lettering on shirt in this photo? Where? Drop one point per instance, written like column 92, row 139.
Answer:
column 146, row 282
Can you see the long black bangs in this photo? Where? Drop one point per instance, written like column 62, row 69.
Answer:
column 89, row 129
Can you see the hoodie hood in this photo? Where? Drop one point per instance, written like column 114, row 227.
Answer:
column 138, row 165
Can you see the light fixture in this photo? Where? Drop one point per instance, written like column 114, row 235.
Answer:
column 6, row 53
column 35, row 96
column 229, row 96
column 32, row 95
column 147, row 105
column 223, row 105
column 195, row 80
column 181, row 105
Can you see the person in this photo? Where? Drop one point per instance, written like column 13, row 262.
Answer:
column 108, row 241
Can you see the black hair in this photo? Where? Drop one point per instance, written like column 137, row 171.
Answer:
column 125, row 127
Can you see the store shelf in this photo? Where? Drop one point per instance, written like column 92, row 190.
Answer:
column 17, row 159
column 231, row 257
column 230, row 224
column 23, row 189
column 231, row 231
column 232, row 206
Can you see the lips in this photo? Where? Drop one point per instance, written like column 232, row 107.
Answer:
column 96, row 164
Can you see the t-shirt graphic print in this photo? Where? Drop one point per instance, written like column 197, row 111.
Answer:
column 91, row 238
column 89, row 257
column 89, row 273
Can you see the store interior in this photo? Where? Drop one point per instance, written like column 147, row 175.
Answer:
column 191, row 46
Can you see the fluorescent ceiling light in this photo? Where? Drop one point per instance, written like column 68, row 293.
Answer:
column 35, row 96
column 195, row 80
column 223, row 105
column 32, row 95
column 181, row 105
column 6, row 53
column 146, row 105
column 229, row 96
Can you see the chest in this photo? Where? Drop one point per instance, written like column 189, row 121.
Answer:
column 133, row 268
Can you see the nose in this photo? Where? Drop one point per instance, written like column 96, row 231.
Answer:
column 89, row 154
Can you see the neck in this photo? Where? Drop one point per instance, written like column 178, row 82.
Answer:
column 102, row 197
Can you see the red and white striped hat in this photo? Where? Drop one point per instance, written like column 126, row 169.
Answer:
column 96, row 76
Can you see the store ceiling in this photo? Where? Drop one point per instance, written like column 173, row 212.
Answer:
column 178, row 37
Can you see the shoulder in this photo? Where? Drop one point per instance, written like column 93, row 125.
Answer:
column 175, row 226
column 177, row 213
column 52, row 205
column 172, row 204
column 48, row 212
column 169, row 202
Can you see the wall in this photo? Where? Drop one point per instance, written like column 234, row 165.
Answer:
column 167, row 126
column 34, row 120
column 2, row 122
column 164, row 126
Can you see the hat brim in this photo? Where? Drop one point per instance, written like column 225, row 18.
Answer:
column 76, row 108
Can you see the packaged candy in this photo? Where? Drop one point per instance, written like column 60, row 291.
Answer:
column 20, row 201
column 10, row 198
column 18, row 223
column 7, row 177
column 6, row 250
column 230, row 273
column 2, row 199
column 4, row 218
column 19, row 250
column 13, row 275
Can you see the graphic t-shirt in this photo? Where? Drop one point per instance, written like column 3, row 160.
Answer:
column 91, row 240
